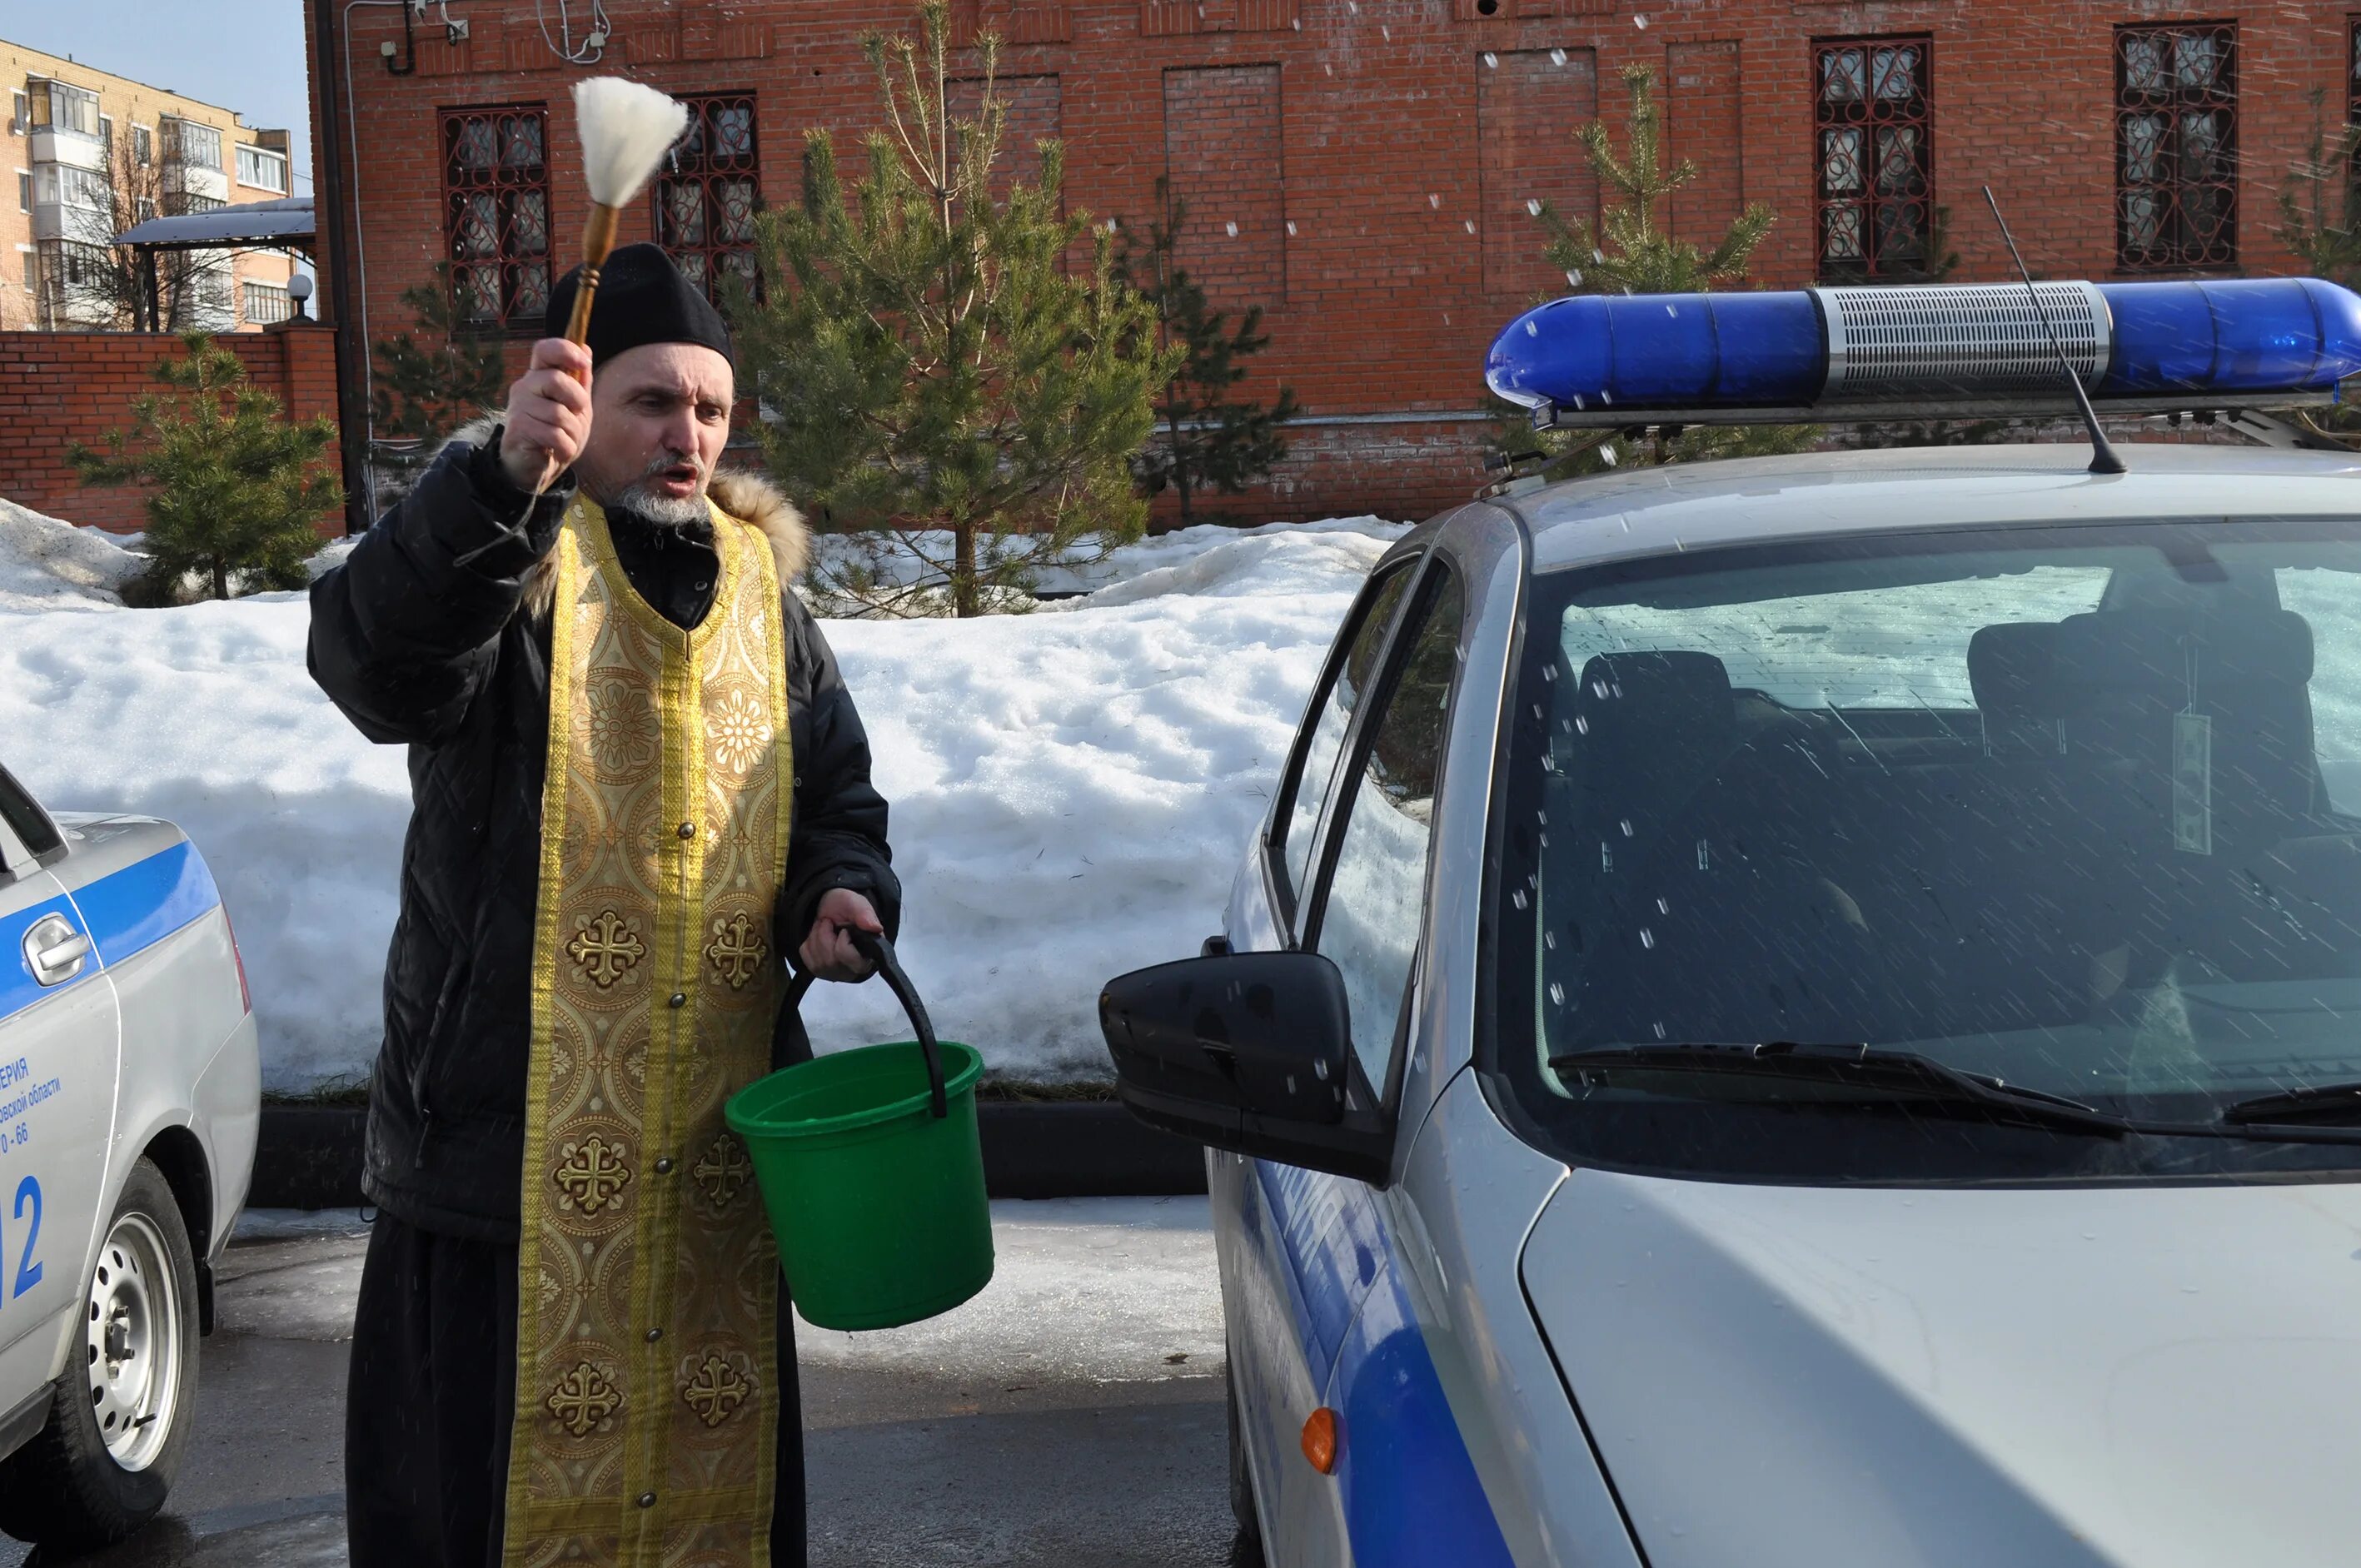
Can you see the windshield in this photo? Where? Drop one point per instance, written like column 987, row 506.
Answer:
column 2071, row 809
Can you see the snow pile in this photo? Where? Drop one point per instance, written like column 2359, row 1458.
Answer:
column 49, row 565
column 1071, row 792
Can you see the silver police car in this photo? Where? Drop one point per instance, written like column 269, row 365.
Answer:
column 1806, row 1012
column 130, row 1096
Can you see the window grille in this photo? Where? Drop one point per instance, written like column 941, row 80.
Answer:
column 2177, row 146
column 1874, row 111
column 708, row 189
column 496, row 212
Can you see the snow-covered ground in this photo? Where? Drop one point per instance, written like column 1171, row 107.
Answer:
column 1072, row 790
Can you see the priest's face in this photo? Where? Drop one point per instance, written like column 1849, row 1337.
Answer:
column 659, row 414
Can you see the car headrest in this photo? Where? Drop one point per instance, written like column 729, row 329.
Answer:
column 2010, row 667
column 2159, row 652
column 2061, row 669
column 1638, row 703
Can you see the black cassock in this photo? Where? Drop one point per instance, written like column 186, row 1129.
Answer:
column 432, row 1400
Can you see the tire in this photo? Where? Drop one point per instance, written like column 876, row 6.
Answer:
column 119, row 1419
column 1248, row 1551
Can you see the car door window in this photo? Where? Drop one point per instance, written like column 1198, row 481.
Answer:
column 1316, row 766
column 1370, row 915
column 27, row 821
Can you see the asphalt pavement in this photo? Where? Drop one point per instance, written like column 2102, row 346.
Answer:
column 1069, row 1417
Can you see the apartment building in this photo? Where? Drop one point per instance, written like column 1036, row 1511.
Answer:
column 94, row 153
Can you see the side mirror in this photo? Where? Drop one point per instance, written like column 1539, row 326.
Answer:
column 1249, row 1052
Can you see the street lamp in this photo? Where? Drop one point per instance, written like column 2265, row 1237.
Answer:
column 299, row 290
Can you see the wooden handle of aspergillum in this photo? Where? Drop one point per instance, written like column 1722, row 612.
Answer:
column 598, row 240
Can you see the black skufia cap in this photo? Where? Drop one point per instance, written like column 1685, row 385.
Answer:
column 643, row 299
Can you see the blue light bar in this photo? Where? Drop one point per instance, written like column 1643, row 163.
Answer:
column 1825, row 348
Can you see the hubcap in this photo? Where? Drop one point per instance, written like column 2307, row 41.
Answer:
column 133, row 1355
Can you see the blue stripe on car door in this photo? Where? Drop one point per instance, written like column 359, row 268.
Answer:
column 146, row 902
column 1327, row 1227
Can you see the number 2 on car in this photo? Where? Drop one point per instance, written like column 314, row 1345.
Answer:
column 29, row 1273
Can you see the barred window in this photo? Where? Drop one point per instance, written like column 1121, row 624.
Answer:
column 496, row 212
column 1874, row 116
column 709, row 191
column 2177, row 146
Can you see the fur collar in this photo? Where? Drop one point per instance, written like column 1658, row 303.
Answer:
column 748, row 497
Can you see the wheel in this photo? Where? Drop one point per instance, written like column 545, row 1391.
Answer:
column 119, row 1418
column 1248, row 1551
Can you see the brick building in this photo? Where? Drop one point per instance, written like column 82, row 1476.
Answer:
column 93, row 153
column 1367, row 169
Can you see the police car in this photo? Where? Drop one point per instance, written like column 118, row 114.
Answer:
column 129, row 1098
column 1806, row 1011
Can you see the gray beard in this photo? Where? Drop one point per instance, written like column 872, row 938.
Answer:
column 667, row 511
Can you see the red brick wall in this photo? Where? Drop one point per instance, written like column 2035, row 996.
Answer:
column 1525, row 99
column 1401, row 163
column 57, row 388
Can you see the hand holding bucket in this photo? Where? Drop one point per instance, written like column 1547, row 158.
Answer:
column 871, row 1170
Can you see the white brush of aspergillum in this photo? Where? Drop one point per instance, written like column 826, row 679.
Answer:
column 626, row 129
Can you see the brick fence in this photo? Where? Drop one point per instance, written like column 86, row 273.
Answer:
column 57, row 388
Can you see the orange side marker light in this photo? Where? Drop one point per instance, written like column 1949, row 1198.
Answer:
column 1320, row 1439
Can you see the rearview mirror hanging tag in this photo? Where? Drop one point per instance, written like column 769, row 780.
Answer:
column 2192, row 783
column 2193, row 769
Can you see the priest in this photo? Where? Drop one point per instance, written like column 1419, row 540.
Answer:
column 638, row 787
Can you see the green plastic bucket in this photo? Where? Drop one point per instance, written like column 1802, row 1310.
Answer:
column 871, row 1172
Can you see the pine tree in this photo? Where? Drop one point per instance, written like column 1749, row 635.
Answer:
column 1210, row 440
column 422, row 390
column 2320, row 220
column 236, row 487
column 927, row 360
column 1631, row 255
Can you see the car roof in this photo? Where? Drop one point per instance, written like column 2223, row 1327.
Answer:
column 1689, row 506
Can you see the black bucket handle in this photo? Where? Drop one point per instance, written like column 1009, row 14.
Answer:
column 879, row 952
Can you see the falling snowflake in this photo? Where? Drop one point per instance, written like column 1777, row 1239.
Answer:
column 1574, row 276
column 1290, row 228
column 1533, row 205
column 1232, row 229
column 1471, row 225
column 1491, row 61
column 1557, row 57
column 1434, row 200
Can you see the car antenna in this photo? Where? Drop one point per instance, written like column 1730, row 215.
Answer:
column 2102, row 452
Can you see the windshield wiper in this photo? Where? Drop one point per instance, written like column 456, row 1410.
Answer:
column 2319, row 1104
column 1905, row 1077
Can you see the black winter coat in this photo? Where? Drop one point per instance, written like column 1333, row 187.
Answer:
column 451, row 657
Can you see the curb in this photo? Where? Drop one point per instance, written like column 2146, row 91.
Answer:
column 309, row 1157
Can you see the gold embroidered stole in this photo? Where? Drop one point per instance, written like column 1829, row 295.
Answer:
column 647, row 1425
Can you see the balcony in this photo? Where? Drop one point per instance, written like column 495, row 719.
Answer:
column 51, row 145
column 194, row 181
